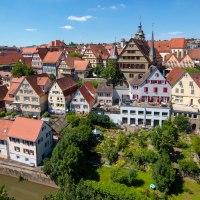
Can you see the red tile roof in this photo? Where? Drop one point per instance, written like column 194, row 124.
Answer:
column 27, row 61
column 5, row 126
column 99, row 51
column 88, row 97
column 52, row 57
column 178, row 43
column 161, row 46
column 175, row 75
column 194, row 53
column 28, row 132
column 29, row 50
column 196, row 78
column 56, row 43
column 89, row 86
column 9, row 58
column 81, row 65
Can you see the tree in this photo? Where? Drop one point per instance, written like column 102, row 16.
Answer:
column 73, row 119
column 21, row 69
column 111, row 71
column 4, row 194
column 97, row 70
column 196, row 144
column 164, row 138
column 163, row 173
column 182, row 123
column 189, row 167
column 75, row 54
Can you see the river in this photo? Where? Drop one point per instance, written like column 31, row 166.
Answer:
column 24, row 190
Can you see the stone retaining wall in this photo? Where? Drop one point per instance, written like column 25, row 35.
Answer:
column 28, row 173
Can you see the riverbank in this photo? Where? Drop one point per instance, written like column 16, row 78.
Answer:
column 25, row 190
column 32, row 174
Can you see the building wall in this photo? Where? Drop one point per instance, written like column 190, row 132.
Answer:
column 36, row 60
column 88, row 55
column 3, row 149
column 104, row 98
column 150, row 116
column 79, row 104
column 56, row 100
column 182, row 92
column 156, row 76
column 39, row 148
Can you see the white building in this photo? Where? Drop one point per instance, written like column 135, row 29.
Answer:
column 84, row 99
column 105, row 95
column 29, row 141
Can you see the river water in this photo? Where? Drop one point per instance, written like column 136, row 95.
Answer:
column 24, row 190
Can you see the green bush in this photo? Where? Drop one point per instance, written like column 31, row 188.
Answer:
column 189, row 168
column 112, row 155
column 182, row 144
column 2, row 114
column 46, row 114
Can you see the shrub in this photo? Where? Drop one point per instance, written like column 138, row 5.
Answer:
column 182, row 144
column 46, row 114
column 2, row 114
column 112, row 155
column 189, row 167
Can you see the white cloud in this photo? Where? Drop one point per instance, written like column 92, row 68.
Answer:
column 113, row 7
column 31, row 29
column 122, row 5
column 175, row 33
column 80, row 19
column 67, row 27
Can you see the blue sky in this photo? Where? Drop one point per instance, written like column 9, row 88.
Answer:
column 27, row 22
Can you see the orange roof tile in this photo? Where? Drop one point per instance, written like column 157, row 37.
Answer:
column 28, row 132
column 88, row 97
column 178, row 43
column 8, row 58
column 89, row 86
column 175, row 75
column 5, row 126
column 81, row 65
column 194, row 53
column 52, row 57
column 161, row 46
column 28, row 50
column 196, row 78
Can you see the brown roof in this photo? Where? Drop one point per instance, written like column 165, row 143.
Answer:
column 29, row 50
column 56, row 43
column 88, row 97
column 42, row 52
column 38, row 80
column 175, row 75
column 81, row 65
column 8, row 58
column 194, row 53
column 89, row 86
column 138, row 81
column 105, row 88
column 178, row 43
column 28, row 132
column 27, row 61
column 99, row 51
column 67, row 85
column 3, row 92
column 16, row 82
column 196, row 78
column 5, row 126
column 70, row 61
column 52, row 57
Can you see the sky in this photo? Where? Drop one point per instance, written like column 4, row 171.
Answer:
column 34, row 22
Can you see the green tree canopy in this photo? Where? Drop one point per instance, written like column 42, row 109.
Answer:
column 111, row 71
column 21, row 69
column 4, row 194
column 163, row 173
column 182, row 123
column 97, row 70
column 196, row 144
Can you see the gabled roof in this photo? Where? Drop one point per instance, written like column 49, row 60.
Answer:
column 27, row 61
column 3, row 92
column 175, row 75
column 196, row 78
column 5, row 126
column 56, row 43
column 42, row 52
column 16, row 82
column 99, row 51
column 38, row 80
column 29, row 50
column 26, row 129
column 67, row 85
column 81, row 65
column 88, row 97
column 89, row 86
column 9, row 58
column 105, row 88
column 178, row 43
column 139, row 81
column 52, row 57
column 161, row 46
column 194, row 53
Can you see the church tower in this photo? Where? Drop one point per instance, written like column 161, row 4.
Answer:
column 152, row 53
column 140, row 34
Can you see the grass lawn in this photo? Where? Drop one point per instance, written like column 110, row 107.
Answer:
column 191, row 191
column 102, row 174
